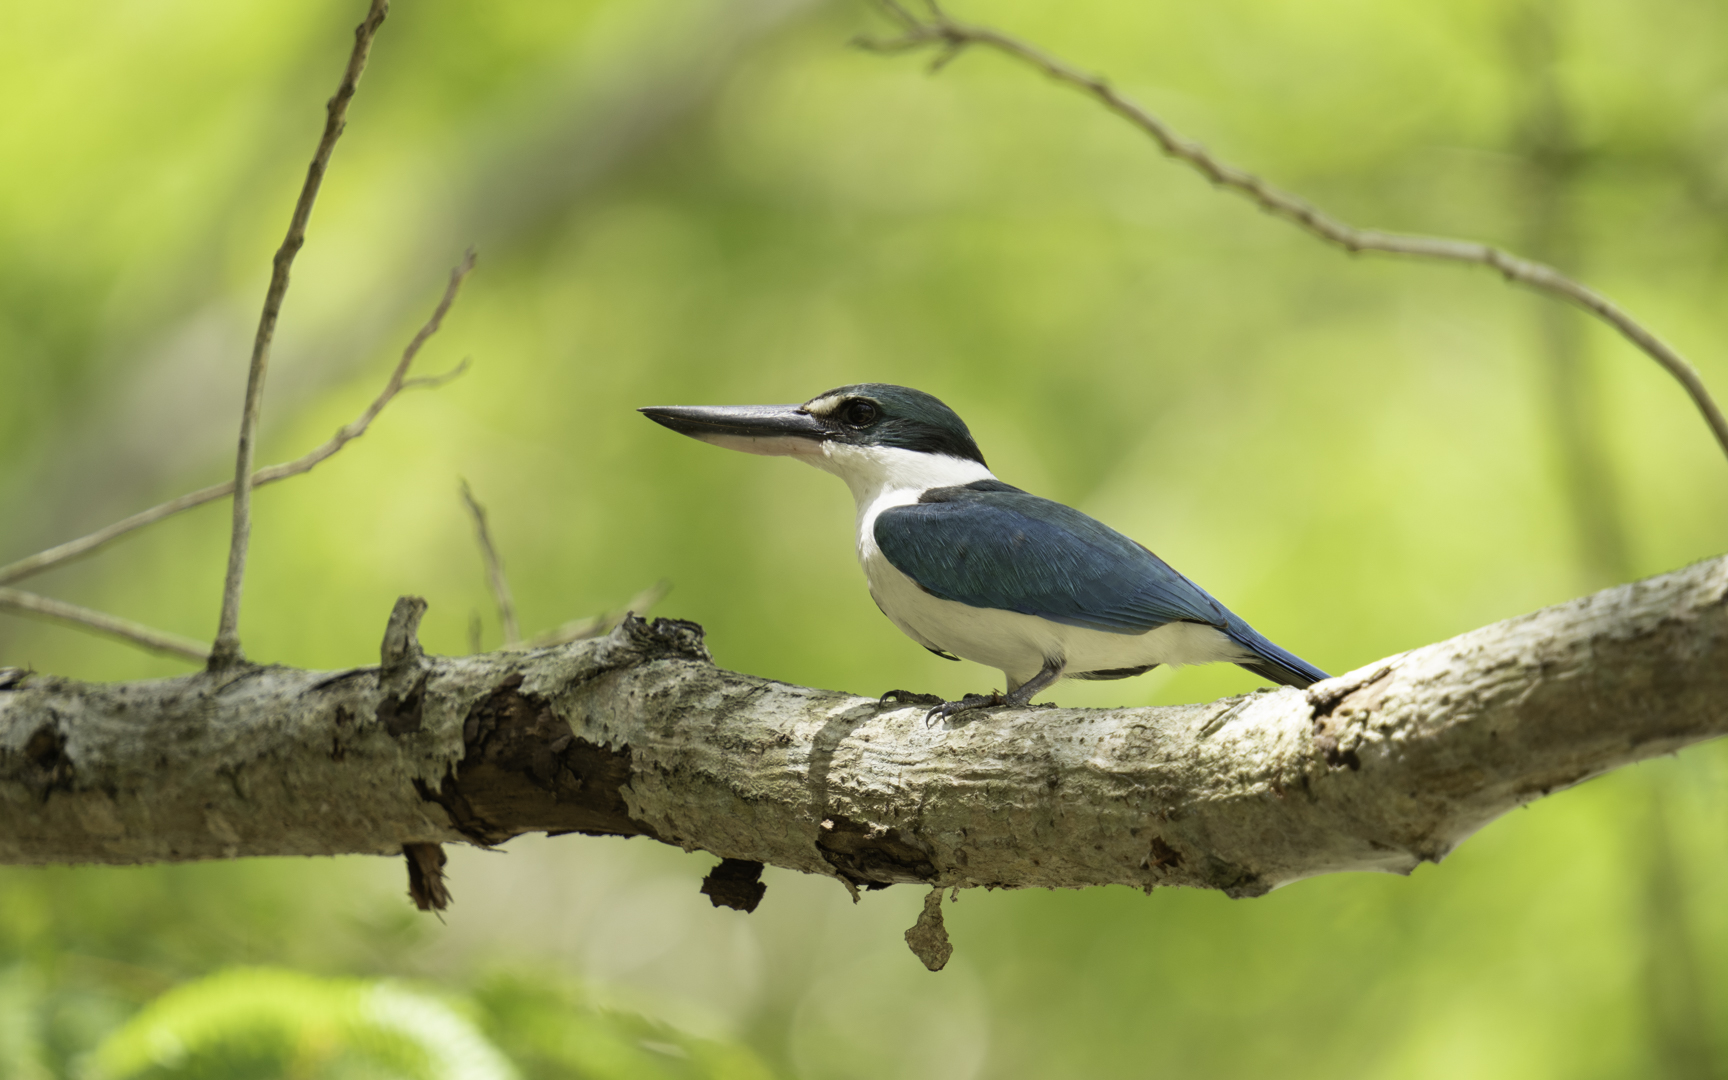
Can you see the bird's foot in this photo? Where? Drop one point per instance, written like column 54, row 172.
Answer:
column 966, row 704
column 907, row 697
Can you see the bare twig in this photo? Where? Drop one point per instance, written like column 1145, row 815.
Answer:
column 433, row 382
column 161, row 641
column 494, row 568
column 227, row 647
column 86, row 545
column 596, row 625
column 940, row 31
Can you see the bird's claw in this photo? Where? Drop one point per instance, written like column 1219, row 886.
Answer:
column 907, row 697
column 966, row 704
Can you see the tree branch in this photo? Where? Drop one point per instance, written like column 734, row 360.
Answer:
column 226, row 651
column 90, row 544
column 82, row 618
column 591, row 128
column 639, row 734
column 952, row 37
column 495, row 578
column 595, row 625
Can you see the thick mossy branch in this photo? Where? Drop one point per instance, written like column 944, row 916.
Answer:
column 640, row 734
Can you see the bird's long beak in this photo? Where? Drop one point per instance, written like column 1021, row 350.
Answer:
column 754, row 429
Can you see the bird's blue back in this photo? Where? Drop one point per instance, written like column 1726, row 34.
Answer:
column 990, row 545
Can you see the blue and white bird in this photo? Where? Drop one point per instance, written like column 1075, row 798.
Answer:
column 970, row 567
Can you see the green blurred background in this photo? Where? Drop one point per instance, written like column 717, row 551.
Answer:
column 696, row 201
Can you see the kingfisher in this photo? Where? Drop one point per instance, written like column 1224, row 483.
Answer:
column 972, row 568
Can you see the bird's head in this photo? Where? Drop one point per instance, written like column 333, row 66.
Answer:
column 868, row 434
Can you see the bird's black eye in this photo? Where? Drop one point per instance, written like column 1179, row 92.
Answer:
column 859, row 413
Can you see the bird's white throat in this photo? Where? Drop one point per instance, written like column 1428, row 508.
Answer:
column 882, row 476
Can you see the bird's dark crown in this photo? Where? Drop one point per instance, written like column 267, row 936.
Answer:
column 882, row 414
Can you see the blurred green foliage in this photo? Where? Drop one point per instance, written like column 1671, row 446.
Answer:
column 263, row 1022
column 267, row 1022
column 708, row 202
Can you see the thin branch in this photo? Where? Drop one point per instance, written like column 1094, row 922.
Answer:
column 82, row 618
column 227, row 648
column 433, row 382
column 87, row 545
column 952, row 37
column 597, row 625
column 494, row 568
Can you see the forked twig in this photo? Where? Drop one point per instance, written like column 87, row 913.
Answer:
column 596, row 625
column 41, row 607
column 87, row 545
column 494, row 568
column 227, row 648
column 940, row 31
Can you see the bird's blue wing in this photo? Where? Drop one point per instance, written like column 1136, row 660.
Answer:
column 991, row 545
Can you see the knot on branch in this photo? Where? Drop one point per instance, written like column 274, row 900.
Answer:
column 401, row 657
column 46, row 768
column 1324, row 697
column 1336, row 744
column 662, row 639
column 402, row 668
column 524, row 770
column 873, row 856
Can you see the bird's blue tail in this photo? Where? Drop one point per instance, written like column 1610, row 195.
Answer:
column 1278, row 665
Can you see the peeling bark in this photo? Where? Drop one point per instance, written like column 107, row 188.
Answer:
column 640, row 734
